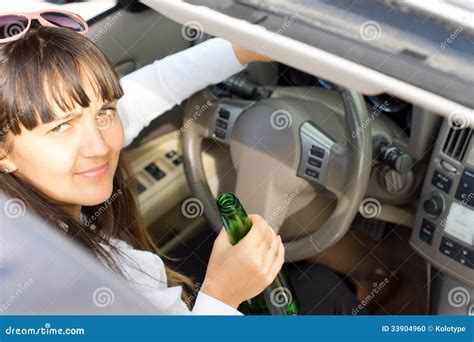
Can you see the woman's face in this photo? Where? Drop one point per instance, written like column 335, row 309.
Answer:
column 72, row 160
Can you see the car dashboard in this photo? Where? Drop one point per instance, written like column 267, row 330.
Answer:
column 444, row 229
column 439, row 179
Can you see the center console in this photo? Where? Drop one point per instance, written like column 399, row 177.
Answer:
column 444, row 226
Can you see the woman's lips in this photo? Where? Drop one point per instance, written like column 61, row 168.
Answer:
column 98, row 171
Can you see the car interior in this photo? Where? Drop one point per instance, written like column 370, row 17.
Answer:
column 383, row 185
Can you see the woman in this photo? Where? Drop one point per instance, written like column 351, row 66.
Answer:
column 65, row 120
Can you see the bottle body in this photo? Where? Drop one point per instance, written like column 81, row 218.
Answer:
column 278, row 298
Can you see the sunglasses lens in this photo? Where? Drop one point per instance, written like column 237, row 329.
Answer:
column 64, row 20
column 12, row 25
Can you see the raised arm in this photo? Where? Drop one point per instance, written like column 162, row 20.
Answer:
column 157, row 87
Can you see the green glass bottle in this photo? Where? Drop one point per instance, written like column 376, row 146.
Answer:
column 278, row 298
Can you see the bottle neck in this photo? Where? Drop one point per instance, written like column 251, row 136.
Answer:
column 234, row 217
column 228, row 203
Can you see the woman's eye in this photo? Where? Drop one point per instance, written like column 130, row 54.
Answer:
column 107, row 112
column 61, row 128
column 106, row 118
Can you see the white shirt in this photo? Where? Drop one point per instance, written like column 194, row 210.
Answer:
column 148, row 93
column 158, row 87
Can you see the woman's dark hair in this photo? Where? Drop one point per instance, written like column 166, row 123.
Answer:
column 50, row 64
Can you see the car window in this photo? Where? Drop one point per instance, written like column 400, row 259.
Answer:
column 86, row 8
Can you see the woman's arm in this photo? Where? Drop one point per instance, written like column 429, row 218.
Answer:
column 156, row 88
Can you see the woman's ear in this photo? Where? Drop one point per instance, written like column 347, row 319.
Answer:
column 6, row 164
column 7, row 167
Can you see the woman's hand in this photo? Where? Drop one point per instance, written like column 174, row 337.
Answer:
column 240, row 272
column 246, row 56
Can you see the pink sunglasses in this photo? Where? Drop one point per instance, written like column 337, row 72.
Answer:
column 13, row 26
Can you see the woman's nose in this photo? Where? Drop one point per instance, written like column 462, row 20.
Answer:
column 93, row 142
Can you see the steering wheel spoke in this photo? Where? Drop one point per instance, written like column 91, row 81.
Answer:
column 323, row 160
column 268, row 194
column 224, row 117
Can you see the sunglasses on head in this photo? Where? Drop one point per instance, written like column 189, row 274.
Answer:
column 13, row 26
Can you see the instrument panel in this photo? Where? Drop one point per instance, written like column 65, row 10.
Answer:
column 444, row 228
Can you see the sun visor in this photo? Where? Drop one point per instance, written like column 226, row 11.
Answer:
column 309, row 58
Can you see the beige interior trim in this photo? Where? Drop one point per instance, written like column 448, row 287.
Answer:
column 162, row 200
column 398, row 215
column 161, row 196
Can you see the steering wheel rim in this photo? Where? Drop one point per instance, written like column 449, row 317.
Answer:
column 358, row 151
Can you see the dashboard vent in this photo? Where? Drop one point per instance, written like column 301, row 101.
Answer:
column 457, row 142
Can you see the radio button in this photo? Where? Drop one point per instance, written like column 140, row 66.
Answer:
column 448, row 247
column 465, row 190
column 457, row 252
column 464, row 261
column 450, row 243
column 466, row 257
column 469, row 174
column 441, row 181
column 427, row 230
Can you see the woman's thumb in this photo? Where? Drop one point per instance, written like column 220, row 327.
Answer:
column 222, row 238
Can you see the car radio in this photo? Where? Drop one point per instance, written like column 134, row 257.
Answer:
column 444, row 226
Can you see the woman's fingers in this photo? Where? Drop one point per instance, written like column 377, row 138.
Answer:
column 273, row 255
column 268, row 239
column 261, row 236
column 259, row 231
column 278, row 260
column 268, row 233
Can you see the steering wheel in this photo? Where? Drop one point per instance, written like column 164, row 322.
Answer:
column 280, row 146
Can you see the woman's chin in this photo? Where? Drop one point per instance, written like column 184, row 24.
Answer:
column 96, row 195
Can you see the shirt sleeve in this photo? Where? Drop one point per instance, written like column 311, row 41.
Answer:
column 145, row 273
column 207, row 305
column 158, row 87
